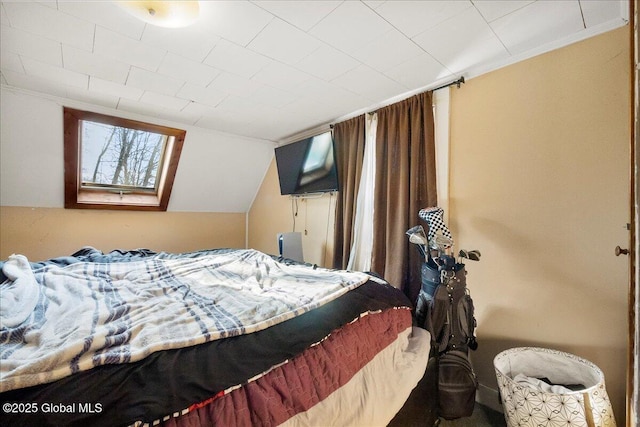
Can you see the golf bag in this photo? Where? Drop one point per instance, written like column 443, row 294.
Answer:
column 449, row 316
column 430, row 274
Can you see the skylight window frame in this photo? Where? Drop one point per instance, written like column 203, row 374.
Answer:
column 79, row 196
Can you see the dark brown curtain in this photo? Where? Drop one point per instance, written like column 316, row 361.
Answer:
column 349, row 137
column 405, row 183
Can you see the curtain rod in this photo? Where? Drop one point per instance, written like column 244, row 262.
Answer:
column 457, row 83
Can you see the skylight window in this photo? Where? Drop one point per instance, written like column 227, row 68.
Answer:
column 115, row 163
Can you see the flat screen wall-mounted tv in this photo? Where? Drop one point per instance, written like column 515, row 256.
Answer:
column 307, row 166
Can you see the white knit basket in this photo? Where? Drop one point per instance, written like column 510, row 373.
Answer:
column 526, row 406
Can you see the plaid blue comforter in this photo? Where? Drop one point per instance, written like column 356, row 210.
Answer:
column 57, row 318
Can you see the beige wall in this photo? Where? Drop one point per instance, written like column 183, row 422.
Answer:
column 272, row 213
column 540, row 184
column 41, row 233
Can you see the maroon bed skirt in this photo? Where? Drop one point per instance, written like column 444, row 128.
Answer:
column 300, row 383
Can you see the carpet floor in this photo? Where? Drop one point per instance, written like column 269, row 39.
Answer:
column 482, row 417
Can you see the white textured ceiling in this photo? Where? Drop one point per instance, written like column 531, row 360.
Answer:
column 272, row 69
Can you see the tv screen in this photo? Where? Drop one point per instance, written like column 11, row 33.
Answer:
column 307, row 166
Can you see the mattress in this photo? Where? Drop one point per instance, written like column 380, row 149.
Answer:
column 345, row 355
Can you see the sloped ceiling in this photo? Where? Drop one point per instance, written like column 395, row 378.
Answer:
column 273, row 69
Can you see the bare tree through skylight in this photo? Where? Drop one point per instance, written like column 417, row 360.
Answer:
column 119, row 156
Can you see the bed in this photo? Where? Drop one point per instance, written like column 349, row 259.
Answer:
column 223, row 337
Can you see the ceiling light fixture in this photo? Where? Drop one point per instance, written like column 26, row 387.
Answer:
column 164, row 13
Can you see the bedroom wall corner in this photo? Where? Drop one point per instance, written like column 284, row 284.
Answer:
column 271, row 213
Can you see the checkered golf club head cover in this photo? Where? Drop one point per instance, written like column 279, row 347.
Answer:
column 434, row 217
